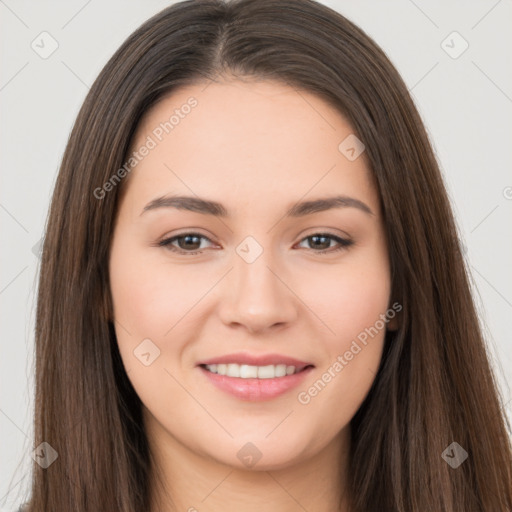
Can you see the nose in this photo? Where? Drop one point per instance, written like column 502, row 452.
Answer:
column 257, row 296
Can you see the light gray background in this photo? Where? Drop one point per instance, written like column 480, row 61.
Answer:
column 465, row 102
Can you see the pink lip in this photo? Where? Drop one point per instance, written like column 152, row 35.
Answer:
column 257, row 360
column 256, row 389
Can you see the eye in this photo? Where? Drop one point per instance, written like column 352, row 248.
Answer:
column 186, row 240
column 192, row 241
column 321, row 239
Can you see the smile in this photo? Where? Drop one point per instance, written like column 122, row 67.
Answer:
column 245, row 371
column 255, row 383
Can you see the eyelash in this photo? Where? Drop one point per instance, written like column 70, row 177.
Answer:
column 344, row 243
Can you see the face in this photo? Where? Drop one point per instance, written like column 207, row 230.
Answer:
column 256, row 280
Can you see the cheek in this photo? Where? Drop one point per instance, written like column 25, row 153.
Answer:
column 150, row 298
column 350, row 303
column 350, row 299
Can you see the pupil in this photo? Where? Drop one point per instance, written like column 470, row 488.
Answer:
column 316, row 237
column 188, row 238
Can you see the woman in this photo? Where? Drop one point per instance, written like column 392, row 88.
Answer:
column 255, row 371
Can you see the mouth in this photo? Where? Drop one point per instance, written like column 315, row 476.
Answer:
column 255, row 383
column 245, row 371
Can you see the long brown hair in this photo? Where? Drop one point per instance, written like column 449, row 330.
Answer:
column 435, row 385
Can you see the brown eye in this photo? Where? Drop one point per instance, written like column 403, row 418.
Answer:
column 190, row 243
column 187, row 243
column 323, row 241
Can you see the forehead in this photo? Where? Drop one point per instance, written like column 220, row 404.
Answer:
column 255, row 140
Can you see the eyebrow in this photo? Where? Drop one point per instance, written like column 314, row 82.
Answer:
column 301, row 209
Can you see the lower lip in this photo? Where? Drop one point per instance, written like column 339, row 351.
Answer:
column 256, row 389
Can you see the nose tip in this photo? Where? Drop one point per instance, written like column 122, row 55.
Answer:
column 258, row 298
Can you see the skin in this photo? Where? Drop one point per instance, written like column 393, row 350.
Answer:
column 258, row 148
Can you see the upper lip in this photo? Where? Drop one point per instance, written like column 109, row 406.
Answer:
column 256, row 360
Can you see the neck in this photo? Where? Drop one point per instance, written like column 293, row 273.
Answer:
column 184, row 480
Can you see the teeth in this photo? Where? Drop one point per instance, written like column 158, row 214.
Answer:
column 245, row 371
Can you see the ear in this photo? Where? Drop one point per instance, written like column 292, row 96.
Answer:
column 107, row 305
column 393, row 324
column 394, row 314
